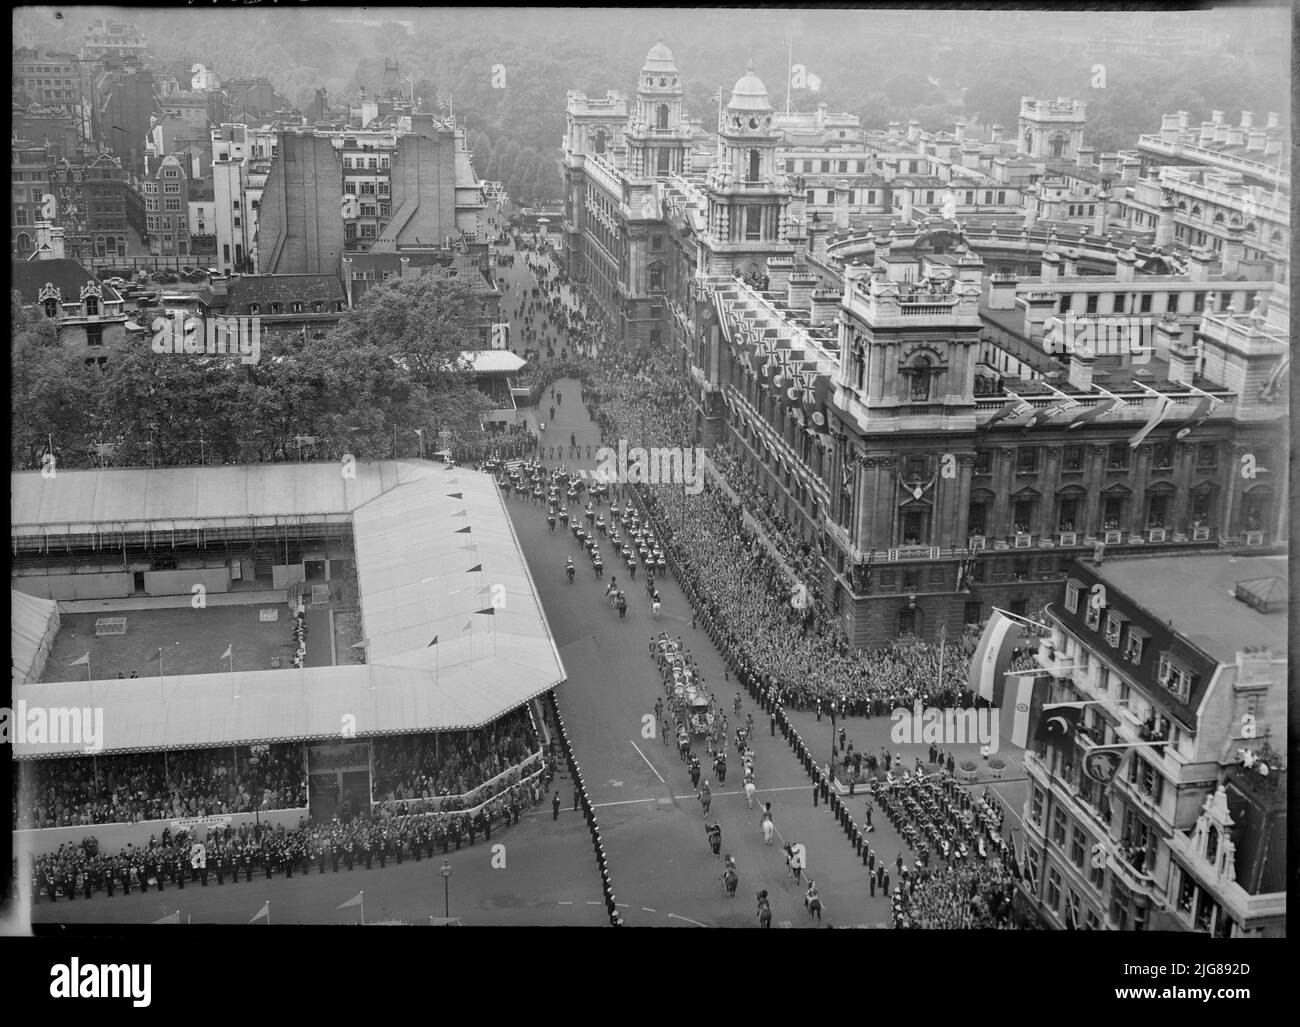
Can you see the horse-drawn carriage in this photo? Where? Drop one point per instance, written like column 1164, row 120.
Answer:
column 698, row 715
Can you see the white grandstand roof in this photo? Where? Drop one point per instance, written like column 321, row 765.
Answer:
column 414, row 571
column 493, row 361
column 33, row 623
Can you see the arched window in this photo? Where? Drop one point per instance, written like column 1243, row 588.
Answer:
column 920, row 372
column 1059, row 143
column 1029, row 141
column 755, row 163
column 1256, row 509
column 661, row 117
column 907, row 621
column 51, row 307
column 600, row 140
column 23, row 243
column 92, row 306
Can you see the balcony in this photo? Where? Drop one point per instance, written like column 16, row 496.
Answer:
column 1135, row 878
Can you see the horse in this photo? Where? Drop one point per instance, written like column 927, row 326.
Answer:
column 656, row 607
column 813, row 903
column 729, row 881
column 768, row 828
column 764, row 910
column 749, row 794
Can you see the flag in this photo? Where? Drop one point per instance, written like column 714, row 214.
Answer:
column 1022, row 704
column 1163, row 405
column 455, row 495
column 1014, row 407
column 491, row 611
column 462, row 531
column 84, row 661
column 265, row 911
column 1200, row 415
column 469, row 624
column 1102, row 764
column 227, row 654
column 434, row 642
column 170, row 918
column 993, row 655
column 475, row 569
column 354, row 901
column 360, row 645
column 1091, row 414
column 1058, row 722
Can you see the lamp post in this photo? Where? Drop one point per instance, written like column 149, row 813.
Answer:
column 446, row 889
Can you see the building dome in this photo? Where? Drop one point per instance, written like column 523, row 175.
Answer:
column 749, row 93
column 659, row 61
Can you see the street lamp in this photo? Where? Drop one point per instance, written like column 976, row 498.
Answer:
column 446, row 899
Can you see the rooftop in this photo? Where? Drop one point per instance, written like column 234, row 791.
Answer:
column 428, row 538
column 1195, row 594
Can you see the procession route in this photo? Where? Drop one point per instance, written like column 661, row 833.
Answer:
column 647, row 762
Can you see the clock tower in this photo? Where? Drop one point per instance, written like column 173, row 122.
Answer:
column 748, row 198
column 658, row 135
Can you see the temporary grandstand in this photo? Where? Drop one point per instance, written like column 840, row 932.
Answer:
column 33, row 624
column 454, row 634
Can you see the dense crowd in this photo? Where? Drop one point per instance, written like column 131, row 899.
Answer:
column 433, row 766
column 229, row 853
column 961, row 896
column 154, row 786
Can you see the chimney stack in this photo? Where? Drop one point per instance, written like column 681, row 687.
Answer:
column 997, row 133
column 1180, row 352
column 960, row 130
column 1256, row 141
column 1233, row 249
column 1109, row 164
column 1079, row 374
column 913, row 130
column 841, row 212
column 1126, row 265
column 1086, row 154
column 1248, row 119
column 1198, row 264
column 1050, row 272
column 1274, row 120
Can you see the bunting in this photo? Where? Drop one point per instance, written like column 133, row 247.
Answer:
column 1204, row 408
column 1092, row 413
column 1163, row 406
column 1014, row 407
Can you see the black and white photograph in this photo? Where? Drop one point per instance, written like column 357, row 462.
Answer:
column 628, row 468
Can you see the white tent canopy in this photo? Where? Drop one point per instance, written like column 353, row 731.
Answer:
column 414, row 572
column 33, row 624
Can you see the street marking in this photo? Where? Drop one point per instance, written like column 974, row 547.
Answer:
column 674, row 916
column 647, row 762
column 621, row 905
column 624, row 802
column 647, row 909
column 566, row 902
column 616, row 784
column 795, row 788
column 592, row 902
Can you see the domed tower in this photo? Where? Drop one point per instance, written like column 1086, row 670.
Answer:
column 748, row 197
column 658, row 134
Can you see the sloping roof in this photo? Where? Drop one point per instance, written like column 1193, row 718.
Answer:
column 33, row 623
column 185, row 497
column 267, row 289
column 494, row 361
column 414, row 573
column 66, row 274
column 1197, row 595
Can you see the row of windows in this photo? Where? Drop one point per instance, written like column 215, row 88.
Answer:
column 1118, row 457
column 825, row 167
column 1112, row 513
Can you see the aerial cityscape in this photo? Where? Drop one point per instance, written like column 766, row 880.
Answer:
column 683, row 468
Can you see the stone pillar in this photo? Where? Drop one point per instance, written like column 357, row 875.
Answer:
column 1003, row 479
column 886, row 527
column 1094, row 478
column 1050, row 479
column 1184, row 455
column 1230, row 510
column 965, row 466
column 1141, row 472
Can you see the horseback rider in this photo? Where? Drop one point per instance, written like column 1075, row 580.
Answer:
column 569, row 569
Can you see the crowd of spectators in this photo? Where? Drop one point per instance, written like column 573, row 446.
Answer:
column 431, row 767
column 237, row 853
column 152, row 786
column 967, row 896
